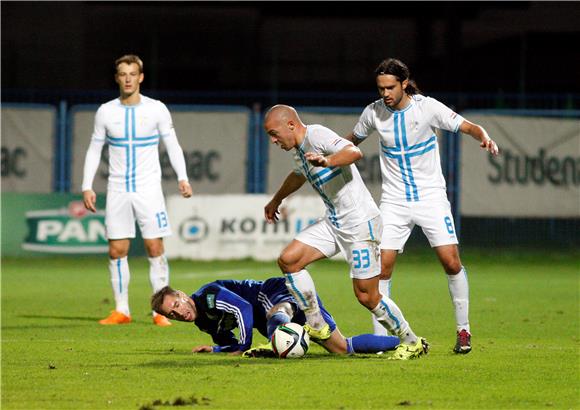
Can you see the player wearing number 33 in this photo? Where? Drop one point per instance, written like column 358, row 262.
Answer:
column 352, row 224
column 413, row 190
column 132, row 126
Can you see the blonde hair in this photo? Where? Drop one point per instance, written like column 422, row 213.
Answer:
column 130, row 59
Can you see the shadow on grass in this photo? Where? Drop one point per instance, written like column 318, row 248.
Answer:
column 219, row 359
column 85, row 318
column 93, row 319
column 4, row 328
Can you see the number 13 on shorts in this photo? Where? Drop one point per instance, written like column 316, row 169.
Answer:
column 161, row 219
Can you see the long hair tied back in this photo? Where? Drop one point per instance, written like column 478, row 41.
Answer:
column 394, row 67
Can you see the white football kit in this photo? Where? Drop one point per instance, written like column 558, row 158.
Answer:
column 352, row 223
column 413, row 186
column 134, row 191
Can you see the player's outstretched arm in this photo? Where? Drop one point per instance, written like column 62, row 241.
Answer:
column 344, row 157
column 477, row 132
column 291, row 184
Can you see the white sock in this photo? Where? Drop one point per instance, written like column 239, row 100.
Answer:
column 120, row 276
column 158, row 272
column 301, row 286
column 390, row 316
column 459, row 291
column 385, row 289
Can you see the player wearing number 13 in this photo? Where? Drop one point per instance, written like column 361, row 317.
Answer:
column 132, row 126
column 352, row 224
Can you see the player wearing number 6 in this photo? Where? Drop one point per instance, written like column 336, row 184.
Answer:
column 413, row 190
column 352, row 225
column 132, row 126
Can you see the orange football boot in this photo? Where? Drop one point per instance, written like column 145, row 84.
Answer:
column 116, row 318
column 161, row 320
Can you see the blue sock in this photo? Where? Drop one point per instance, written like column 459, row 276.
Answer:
column 277, row 319
column 368, row 343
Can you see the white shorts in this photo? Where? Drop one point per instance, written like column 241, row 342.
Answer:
column 147, row 208
column 434, row 217
column 360, row 246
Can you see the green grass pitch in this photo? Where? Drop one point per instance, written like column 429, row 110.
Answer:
column 524, row 318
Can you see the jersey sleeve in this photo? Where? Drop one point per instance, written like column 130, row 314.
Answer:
column 165, row 125
column 225, row 342
column 100, row 129
column 169, row 138
column 242, row 311
column 327, row 142
column 365, row 125
column 444, row 117
column 93, row 155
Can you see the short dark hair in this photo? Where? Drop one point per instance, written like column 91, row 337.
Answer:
column 130, row 59
column 157, row 298
column 394, row 67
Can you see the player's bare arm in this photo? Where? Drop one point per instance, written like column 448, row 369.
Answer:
column 90, row 199
column 291, row 184
column 477, row 132
column 352, row 138
column 344, row 157
column 185, row 189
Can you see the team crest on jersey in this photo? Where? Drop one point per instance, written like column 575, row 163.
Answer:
column 210, row 301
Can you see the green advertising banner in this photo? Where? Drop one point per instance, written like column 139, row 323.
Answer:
column 40, row 224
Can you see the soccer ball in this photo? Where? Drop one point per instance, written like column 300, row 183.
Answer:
column 290, row 340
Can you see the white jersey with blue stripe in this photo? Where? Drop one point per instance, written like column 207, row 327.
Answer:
column 410, row 161
column 347, row 199
column 133, row 133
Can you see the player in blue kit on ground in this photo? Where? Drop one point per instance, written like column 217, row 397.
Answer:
column 132, row 126
column 219, row 307
column 413, row 188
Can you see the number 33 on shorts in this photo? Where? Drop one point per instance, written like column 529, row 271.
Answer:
column 361, row 258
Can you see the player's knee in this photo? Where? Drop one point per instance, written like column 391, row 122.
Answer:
column 364, row 299
column 452, row 267
column 386, row 272
column 288, row 262
column 116, row 253
column 283, row 307
column 368, row 299
column 118, row 249
column 154, row 248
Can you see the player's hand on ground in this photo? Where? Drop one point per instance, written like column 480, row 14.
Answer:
column 185, row 189
column 490, row 146
column 236, row 353
column 90, row 199
column 202, row 349
column 315, row 159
